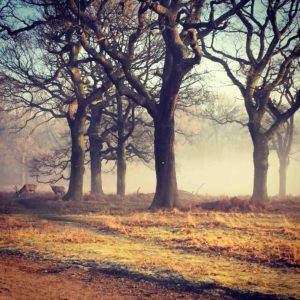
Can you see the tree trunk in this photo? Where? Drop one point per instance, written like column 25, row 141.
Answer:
column 96, row 175
column 260, row 159
column 283, row 144
column 121, row 155
column 95, row 150
column 283, row 165
column 121, row 169
column 166, row 194
column 77, row 128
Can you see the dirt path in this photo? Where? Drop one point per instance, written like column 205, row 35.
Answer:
column 22, row 278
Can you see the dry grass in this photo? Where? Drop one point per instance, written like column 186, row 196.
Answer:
column 255, row 251
column 245, row 236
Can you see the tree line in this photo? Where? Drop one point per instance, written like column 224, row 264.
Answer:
column 120, row 65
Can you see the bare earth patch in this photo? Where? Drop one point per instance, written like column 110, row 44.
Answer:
column 22, row 278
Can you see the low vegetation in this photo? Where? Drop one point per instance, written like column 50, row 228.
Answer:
column 245, row 251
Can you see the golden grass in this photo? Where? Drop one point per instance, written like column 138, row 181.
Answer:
column 235, row 250
column 247, row 236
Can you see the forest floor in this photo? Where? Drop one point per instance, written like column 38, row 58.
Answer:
column 113, row 248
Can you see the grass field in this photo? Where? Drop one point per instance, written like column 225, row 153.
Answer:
column 247, row 252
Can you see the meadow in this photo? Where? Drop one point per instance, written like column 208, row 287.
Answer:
column 227, row 247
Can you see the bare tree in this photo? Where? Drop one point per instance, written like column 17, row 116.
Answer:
column 178, row 26
column 282, row 143
column 98, row 27
column 66, row 86
column 52, row 164
column 283, row 139
column 266, row 44
column 118, row 132
column 96, row 136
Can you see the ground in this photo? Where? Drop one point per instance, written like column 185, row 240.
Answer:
column 114, row 248
column 23, row 278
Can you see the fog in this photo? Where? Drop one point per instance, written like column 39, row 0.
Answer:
column 222, row 171
column 214, row 160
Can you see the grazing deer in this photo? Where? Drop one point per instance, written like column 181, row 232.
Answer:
column 26, row 189
column 58, row 190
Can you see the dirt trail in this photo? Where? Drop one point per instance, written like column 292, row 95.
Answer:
column 22, row 278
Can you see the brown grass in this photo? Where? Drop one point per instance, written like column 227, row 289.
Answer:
column 255, row 250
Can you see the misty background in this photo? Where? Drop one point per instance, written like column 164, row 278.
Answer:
column 211, row 159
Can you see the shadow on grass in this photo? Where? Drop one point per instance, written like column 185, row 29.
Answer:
column 170, row 280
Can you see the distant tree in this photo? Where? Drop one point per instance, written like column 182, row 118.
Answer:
column 18, row 145
column 282, row 143
column 130, row 139
column 96, row 136
column 283, row 139
column 265, row 45
column 52, row 164
column 117, row 132
column 60, row 88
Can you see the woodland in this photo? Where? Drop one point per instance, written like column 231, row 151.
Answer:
column 88, row 87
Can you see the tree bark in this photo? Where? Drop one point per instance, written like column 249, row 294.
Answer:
column 96, row 174
column 77, row 128
column 121, row 169
column 95, row 150
column 121, row 155
column 260, row 159
column 283, row 165
column 166, row 194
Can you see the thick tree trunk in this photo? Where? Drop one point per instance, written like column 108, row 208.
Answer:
column 166, row 194
column 121, row 169
column 283, row 165
column 260, row 159
column 77, row 127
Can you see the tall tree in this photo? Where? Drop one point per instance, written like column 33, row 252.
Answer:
column 118, row 133
column 96, row 145
column 284, row 137
column 282, row 143
column 62, row 82
column 177, row 25
column 265, row 44
column 99, row 27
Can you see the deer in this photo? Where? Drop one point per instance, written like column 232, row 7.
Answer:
column 26, row 189
column 58, row 190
